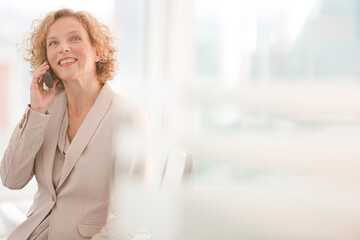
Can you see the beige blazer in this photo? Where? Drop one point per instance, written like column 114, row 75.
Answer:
column 80, row 205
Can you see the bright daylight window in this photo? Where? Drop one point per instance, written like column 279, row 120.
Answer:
column 264, row 94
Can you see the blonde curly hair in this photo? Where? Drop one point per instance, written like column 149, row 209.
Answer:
column 99, row 34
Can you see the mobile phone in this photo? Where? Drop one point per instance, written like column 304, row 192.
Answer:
column 49, row 81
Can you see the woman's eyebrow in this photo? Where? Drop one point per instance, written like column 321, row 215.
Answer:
column 49, row 38
column 73, row 32
column 69, row 33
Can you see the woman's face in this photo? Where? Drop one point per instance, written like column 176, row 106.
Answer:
column 69, row 51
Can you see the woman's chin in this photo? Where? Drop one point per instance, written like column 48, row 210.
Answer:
column 67, row 78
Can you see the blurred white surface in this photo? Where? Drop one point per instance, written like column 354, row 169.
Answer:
column 263, row 93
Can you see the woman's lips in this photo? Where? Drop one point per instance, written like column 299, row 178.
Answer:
column 64, row 61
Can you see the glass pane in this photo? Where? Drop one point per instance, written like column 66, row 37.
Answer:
column 263, row 41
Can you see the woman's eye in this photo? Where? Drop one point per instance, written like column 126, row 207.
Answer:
column 52, row 43
column 76, row 38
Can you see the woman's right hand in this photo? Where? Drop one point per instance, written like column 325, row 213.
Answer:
column 41, row 99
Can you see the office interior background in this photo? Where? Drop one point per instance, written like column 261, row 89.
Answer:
column 265, row 95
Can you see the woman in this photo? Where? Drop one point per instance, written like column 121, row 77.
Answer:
column 70, row 135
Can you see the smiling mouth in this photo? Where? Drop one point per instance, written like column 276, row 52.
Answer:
column 68, row 60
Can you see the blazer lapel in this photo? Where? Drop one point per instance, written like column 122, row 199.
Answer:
column 51, row 137
column 86, row 130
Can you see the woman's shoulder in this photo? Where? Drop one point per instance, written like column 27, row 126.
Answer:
column 126, row 110
column 125, row 105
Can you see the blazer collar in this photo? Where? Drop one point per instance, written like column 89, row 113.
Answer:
column 86, row 130
column 56, row 111
column 82, row 137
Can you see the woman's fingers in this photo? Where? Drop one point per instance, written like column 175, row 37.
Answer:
column 40, row 97
column 38, row 75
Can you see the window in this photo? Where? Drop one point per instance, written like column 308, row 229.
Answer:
column 263, row 93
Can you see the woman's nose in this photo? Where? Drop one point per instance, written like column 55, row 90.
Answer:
column 64, row 47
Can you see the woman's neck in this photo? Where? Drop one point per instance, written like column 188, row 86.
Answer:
column 81, row 97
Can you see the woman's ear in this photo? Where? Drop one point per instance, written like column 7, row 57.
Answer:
column 97, row 55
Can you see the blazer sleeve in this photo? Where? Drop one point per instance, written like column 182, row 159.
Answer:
column 17, row 165
column 131, row 172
